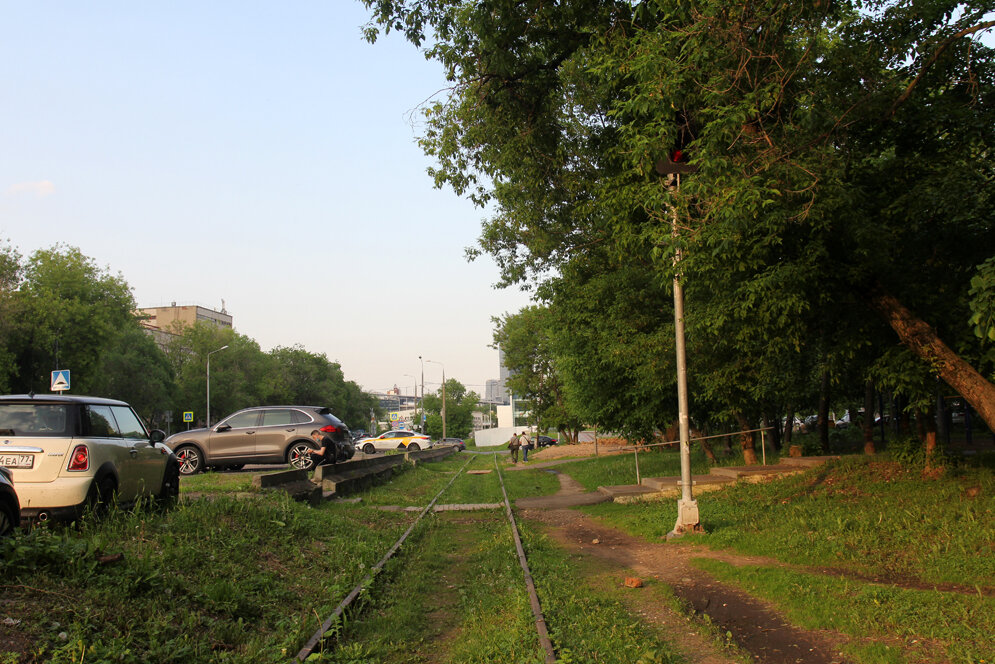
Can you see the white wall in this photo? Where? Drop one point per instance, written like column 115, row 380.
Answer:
column 495, row 437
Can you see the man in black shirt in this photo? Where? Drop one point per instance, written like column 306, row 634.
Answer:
column 327, row 450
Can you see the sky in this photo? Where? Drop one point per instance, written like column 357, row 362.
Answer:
column 259, row 155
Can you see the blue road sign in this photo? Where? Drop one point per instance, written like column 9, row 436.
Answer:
column 60, row 380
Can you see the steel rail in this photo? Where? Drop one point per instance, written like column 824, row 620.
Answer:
column 540, row 620
column 319, row 635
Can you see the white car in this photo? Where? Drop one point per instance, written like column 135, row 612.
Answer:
column 398, row 439
column 70, row 452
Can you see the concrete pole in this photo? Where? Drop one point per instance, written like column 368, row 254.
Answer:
column 687, row 506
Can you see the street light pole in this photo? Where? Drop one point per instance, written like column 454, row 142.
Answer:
column 687, row 506
column 421, row 427
column 443, row 395
column 209, row 383
column 416, row 394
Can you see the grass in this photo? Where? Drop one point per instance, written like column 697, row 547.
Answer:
column 221, row 580
column 619, row 469
column 960, row 627
column 248, row 577
column 467, row 604
column 867, row 519
column 215, row 482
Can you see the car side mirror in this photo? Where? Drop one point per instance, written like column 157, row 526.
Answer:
column 157, row 436
column 222, row 427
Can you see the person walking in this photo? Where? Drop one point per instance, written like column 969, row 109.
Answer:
column 526, row 446
column 513, row 444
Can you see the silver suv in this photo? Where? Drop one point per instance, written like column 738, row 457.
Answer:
column 67, row 452
column 264, row 434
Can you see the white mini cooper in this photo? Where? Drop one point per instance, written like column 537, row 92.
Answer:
column 68, row 452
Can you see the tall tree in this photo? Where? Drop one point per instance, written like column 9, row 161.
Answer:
column 460, row 405
column 843, row 151
column 73, row 311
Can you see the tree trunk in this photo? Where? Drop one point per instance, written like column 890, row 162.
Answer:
column 823, row 421
column 927, row 424
column 775, row 431
column 705, row 445
column 922, row 339
column 789, row 426
column 867, row 424
column 748, row 442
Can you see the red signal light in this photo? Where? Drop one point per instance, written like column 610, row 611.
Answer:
column 80, row 458
column 328, row 428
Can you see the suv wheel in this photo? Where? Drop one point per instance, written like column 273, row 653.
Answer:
column 191, row 462
column 299, row 456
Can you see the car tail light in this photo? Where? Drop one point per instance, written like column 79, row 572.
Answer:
column 328, row 428
column 80, row 458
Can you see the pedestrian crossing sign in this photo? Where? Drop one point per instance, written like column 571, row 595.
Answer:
column 60, row 380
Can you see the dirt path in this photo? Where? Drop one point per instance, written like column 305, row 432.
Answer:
column 756, row 627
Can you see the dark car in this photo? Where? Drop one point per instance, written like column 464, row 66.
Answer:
column 458, row 443
column 263, row 434
column 10, row 507
column 544, row 441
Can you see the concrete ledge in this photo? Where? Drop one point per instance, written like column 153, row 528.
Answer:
column 624, row 491
column 806, row 462
column 741, row 472
column 668, row 483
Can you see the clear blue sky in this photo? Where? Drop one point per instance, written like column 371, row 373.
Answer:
column 257, row 153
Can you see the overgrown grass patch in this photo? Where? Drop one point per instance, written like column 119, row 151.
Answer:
column 415, row 485
column 588, row 624
column 221, row 580
column 220, row 482
column 459, row 604
column 871, row 517
column 959, row 625
column 616, row 469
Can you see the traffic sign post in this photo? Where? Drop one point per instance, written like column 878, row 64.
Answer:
column 60, row 380
column 188, row 418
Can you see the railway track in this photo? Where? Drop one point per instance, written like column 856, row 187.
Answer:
column 328, row 632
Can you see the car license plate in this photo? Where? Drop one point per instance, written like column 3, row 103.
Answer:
column 17, row 460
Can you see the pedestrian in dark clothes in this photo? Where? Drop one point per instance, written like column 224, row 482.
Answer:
column 327, row 450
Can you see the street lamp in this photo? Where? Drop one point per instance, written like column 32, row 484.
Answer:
column 421, row 427
column 416, row 393
column 209, row 382
column 687, row 506
column 443, row 395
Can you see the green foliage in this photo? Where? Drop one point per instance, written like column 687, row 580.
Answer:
column 983, row 301
column 460, row 405
column 843, row 154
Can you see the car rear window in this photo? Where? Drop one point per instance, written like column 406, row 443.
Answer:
column 33, row 419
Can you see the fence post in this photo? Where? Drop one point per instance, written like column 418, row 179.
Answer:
column 636, row 453
column 763, row 446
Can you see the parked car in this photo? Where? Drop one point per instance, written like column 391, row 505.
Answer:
column 358, row 434
column 68, row 452
column 394, row 440
column 10, row 506
column 262, row 434
column 458, row 443
column 544, row 441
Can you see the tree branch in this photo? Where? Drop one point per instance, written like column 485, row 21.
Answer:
column 932, row 60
